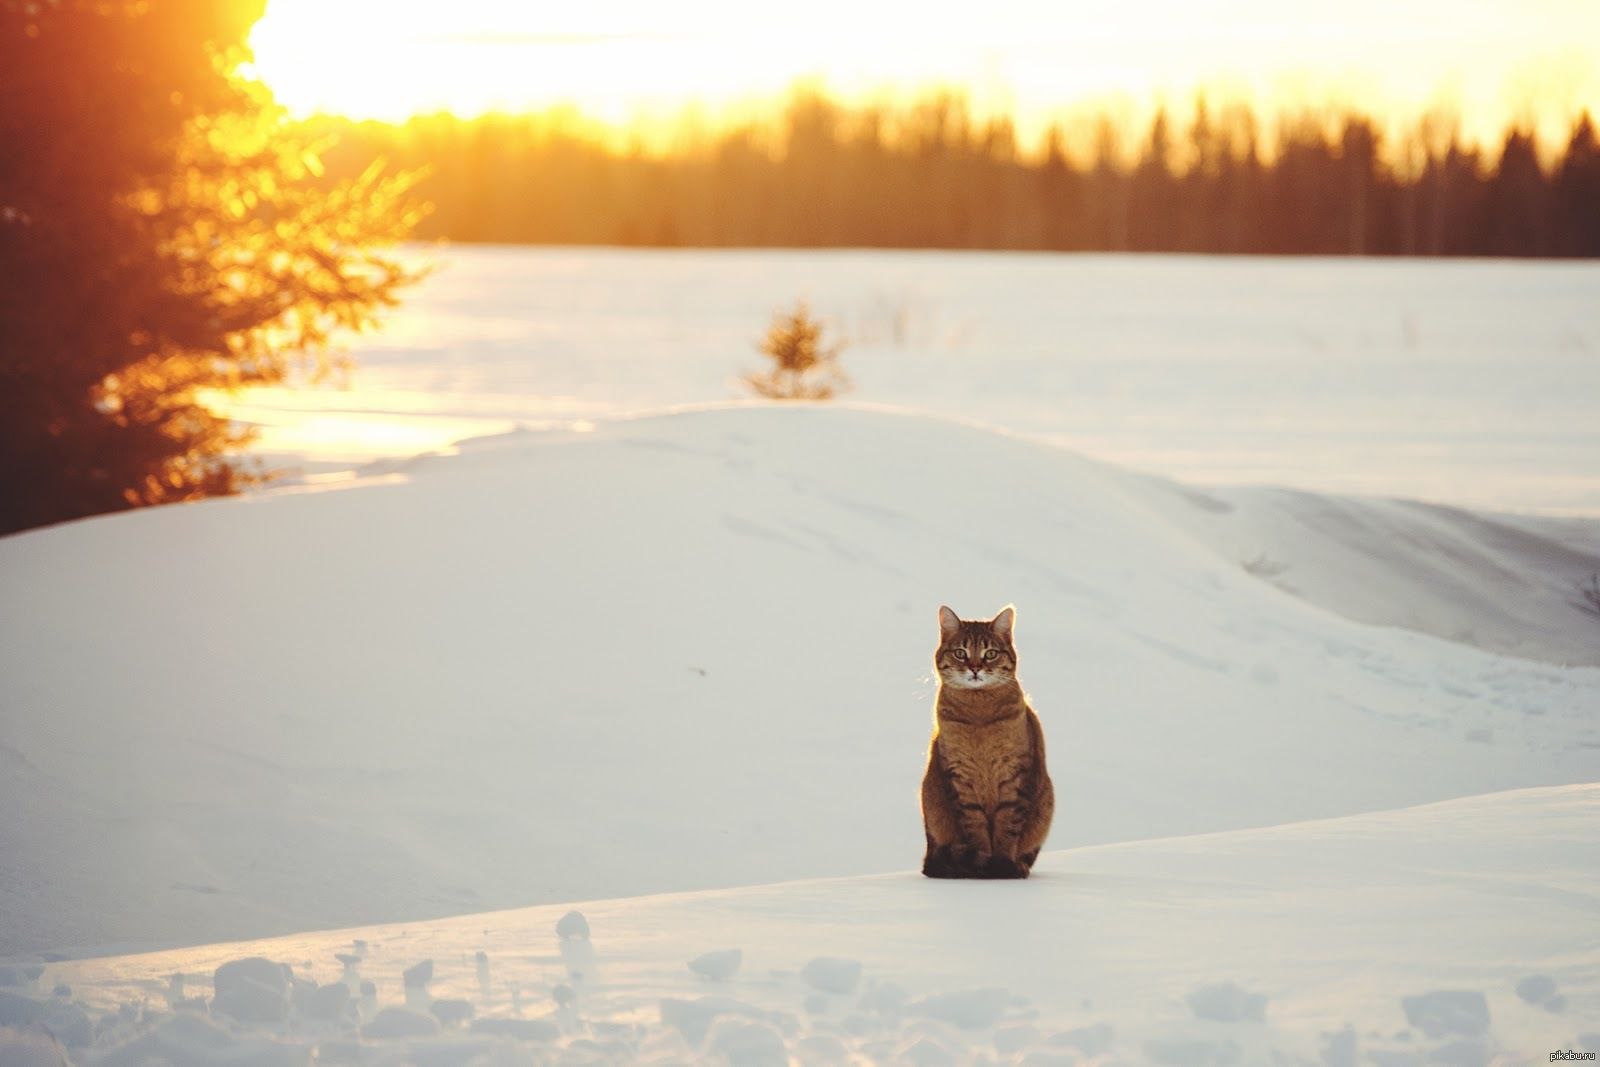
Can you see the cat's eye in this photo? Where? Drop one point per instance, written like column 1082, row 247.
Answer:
column 960, row 653
column 990, row 655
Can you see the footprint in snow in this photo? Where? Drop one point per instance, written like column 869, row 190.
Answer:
column 1541, row 990
column 1225, row 1002
column 832, row 975
column 1448, row 1012
column 718, row 966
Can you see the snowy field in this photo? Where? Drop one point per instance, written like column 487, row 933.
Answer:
column 1327, row 765
column 1458, row 933
column 1461, row 382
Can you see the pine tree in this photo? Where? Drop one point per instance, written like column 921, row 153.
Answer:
column 163, row 237
column 804, row 367
column 1577, row 192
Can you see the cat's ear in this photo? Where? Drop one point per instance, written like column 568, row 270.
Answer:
column 1004, row 621
column 949, row 623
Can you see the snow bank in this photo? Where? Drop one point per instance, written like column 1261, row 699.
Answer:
column 1507, row 583
column 680, row 652
column 1403, row 937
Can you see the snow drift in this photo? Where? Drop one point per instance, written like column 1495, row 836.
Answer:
column 678, row 652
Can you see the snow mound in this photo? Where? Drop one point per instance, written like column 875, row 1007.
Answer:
column 1379, row 938
column 679, row 652
column 1506, row 583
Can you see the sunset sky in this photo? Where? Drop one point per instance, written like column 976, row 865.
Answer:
column 626, row 61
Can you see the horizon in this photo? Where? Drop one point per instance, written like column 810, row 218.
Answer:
column 643, row 74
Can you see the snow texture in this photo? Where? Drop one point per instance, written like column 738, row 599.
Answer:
column 463, row 685
column 1326, row 765
column 718, row 966
column 1468, row 382
column 1380, row 938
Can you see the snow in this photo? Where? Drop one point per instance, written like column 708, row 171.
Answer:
column 718, row 966
column 1227, row 1003
column 832, row 975
column 598, row 740
column 1467, row 382
column 1405, row 936
column 252, row 990
column 541, row 669
column 1503, row 582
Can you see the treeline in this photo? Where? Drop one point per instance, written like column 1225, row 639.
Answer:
column 929, row 175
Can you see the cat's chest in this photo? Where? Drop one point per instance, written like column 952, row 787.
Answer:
column 981, row 758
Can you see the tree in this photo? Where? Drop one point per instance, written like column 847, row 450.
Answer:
column 165, row 235
column 1577, row 192
column 1515, row 200
column 804, row 367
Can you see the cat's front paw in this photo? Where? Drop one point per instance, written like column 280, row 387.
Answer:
column 941, row 863
column 1001, row 867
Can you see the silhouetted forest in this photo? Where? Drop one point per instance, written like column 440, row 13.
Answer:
column 928, row 175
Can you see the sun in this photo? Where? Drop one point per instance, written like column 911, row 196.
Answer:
column 389, row 61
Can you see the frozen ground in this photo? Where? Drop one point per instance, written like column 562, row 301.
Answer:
column 1460, row 933
column 1463, row 382
column 691, row 651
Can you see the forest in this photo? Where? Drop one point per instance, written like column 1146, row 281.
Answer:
column 929, row 174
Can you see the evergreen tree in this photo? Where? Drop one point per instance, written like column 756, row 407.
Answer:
column 1515, row 202
column 804, row 366
column 1577, row 193
column 164, row 235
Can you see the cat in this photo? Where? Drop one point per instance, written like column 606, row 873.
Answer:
column 987, row 798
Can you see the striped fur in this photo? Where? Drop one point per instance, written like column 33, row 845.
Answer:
column 987, row 798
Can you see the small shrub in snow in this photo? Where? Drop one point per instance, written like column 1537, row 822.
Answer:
column 804, row 366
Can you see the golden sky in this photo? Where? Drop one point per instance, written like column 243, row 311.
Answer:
column 624, row 61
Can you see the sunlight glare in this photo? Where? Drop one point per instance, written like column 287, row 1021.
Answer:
column 627, row 61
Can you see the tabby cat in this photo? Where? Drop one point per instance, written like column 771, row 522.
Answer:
column 986, row 797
